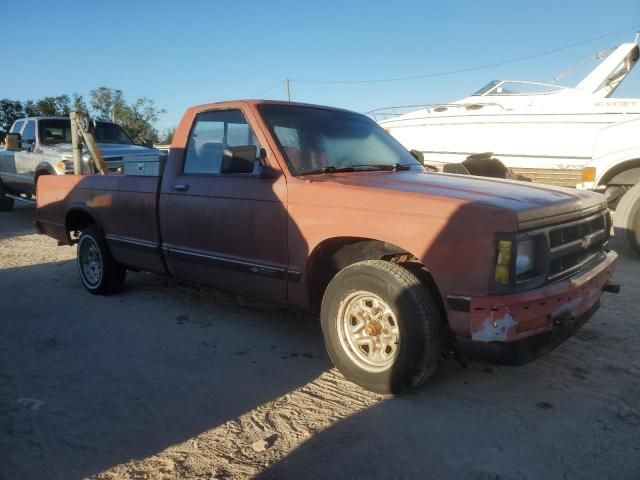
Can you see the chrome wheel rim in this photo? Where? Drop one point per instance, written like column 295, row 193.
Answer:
column 368, row 331
column 90, row 261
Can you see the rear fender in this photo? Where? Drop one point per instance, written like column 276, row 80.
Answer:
column 78, row 217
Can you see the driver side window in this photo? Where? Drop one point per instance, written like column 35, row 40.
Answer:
column 29, row 133
column 17, row 127
column 212, row 133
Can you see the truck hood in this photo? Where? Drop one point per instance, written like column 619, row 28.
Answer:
column 532, row 204
column 107, row 149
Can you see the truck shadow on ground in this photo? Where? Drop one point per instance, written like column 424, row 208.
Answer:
column 112, row 379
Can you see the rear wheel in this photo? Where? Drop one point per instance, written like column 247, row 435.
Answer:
column 381, row 326
column 99, row 272
column 626, row 223
column 6, row 203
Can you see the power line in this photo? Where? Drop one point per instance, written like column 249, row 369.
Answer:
column 470, row 69
column 269, row 89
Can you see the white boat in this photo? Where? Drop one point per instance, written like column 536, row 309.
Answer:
column 546, row 132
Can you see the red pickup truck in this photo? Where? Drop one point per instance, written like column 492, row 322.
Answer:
column 321, row 208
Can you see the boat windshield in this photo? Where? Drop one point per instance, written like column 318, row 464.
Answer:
column 488, row 87
column 513, row 87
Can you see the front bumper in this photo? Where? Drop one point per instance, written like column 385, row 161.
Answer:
column 515, row 329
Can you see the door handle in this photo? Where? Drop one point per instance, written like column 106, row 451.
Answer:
column 180, row 187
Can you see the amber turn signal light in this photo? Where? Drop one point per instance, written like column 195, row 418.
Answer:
column 588, row 174
column 503, row 264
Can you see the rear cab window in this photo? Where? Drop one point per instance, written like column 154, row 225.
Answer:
column 212, row 132
column 55, row 130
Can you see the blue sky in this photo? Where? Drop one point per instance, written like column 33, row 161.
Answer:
column 192, row 52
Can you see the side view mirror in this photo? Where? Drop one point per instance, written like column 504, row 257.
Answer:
column 13, row 142
column 266, row 170
column 239, row 159
column 418, row 156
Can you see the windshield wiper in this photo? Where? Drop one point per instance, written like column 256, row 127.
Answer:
column 329, row 169
column 359, row 167
column 383, row 166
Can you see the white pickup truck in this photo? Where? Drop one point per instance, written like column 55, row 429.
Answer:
column 38, row 146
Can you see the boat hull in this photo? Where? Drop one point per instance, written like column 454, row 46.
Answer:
column 547, row 148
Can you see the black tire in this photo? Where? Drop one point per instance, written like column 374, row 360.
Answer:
column 626, row 224
column 6, row 203
column 99, row 272
column 418, row 320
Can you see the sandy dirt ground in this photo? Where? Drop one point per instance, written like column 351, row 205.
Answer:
column 167, row 380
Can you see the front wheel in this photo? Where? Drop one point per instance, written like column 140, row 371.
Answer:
column 381, row 326
column 99, row 272
column 626, row 223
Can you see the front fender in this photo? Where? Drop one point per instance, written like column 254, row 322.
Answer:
column 46, row 167
column 615, row 150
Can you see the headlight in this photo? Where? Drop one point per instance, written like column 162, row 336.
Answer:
column 525, row 256
column 65, row 165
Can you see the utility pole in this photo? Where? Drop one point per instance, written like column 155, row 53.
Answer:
column 288, row 91
column 81, row 131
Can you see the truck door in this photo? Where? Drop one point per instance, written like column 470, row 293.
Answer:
column 224, row 229
column 24, row 159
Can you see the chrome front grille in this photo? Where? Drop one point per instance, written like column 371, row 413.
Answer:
column 574, row 244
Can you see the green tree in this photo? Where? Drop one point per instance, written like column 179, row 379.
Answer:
column 78, row 103
column 137, row 118
column 30, row 108
column 53, row 106
column 107, row 103
column 167, row 136
column 10, row 111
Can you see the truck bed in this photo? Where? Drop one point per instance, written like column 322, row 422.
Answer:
column 129, row 218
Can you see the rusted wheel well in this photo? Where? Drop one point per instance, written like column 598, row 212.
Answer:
column 333, row 255
column 76, row 221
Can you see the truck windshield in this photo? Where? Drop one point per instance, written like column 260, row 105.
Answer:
column 316, row 140
column 58, row 130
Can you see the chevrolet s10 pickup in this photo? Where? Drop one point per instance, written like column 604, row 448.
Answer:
column 321, row 208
